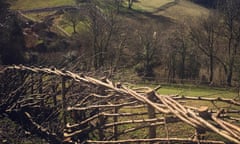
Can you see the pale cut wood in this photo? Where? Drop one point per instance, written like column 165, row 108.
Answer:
column 118, row 96
column 161, row 140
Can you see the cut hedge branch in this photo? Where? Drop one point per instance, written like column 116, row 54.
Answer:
column 160, row 140
column 60, row 105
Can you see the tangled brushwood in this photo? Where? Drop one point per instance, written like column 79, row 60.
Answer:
column 64, row 107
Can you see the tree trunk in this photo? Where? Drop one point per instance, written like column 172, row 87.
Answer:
column 230, row 73
column 118, row 4
column 74, row 28
column 64, row 105
column 229, row 78
column 130, row 3
column 183, row 67
column 172, row 69
column 101, row 57
column 211, row 69
column 95, row 53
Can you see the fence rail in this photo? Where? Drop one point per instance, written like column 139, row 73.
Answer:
column 65, row 107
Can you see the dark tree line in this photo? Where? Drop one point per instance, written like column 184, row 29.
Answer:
column 207, row 3
column 11, row 37
column 217, row 36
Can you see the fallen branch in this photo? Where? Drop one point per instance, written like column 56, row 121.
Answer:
column 230, row 101
column 133, row 122
column 160, row 140
column 28, row 124
column 100, row 106
column 163, row 104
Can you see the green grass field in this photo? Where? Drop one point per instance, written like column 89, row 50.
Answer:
column 166, row 8
column 177, row 10
column 191, row 90
column 33, row 4
column 202, row 91
column 150, row 6
column 184, row 10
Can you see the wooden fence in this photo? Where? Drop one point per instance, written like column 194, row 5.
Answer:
column 64, row 107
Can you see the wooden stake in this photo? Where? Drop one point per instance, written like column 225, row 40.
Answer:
column 151, row 115
column 115, row 128
column 40, row 88
column 64, row 101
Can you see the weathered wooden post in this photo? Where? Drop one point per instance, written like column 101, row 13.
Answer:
column 199, row 132
column 54, row 92
column 32, row 83
column 115, row 118
column 54, row 88
column 100, row 130
column 102, row 119
column 64, row 101
column 40, row 89
column 115, row 128
column 151, row 114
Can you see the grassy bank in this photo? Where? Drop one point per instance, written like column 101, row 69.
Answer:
column 192, row 90
column 33, row 4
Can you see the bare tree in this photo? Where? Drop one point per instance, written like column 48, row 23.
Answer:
column 102, row 27
column 220, row 32
column 130, row 3
column 149, row 48
column 231, row 32
column 170, row 58
column 205, row 35
column 181, row 45
column 117, row 56
column 12, row 44
column 73, row 18
column 118, row 4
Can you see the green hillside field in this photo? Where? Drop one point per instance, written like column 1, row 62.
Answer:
column 33, row 4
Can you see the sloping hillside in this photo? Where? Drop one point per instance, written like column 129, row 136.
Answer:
column 170, row 9
column 174, row 9
column 33, row 4
column 161, row 11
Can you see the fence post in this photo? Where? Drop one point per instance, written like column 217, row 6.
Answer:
column 40, row 89
column 54, row 92
column 115, row 128
column 64, row 101
column 32, row 83
column 101, row 132
column 199, row 132
column 102, row 118
column 151, row 115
